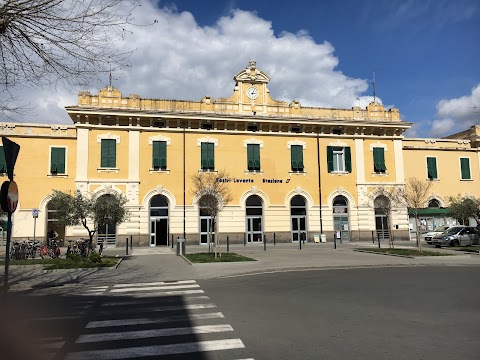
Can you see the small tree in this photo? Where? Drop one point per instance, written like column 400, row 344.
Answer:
column 213, row 195
column 414, row 197
column 462, row 208
column 90, row 212
column 386, row 200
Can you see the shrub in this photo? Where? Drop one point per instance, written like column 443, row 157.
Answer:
column 95, row 257
column 74, row 257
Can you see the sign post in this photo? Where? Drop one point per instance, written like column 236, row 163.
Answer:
column 35, row 216
column 9, row 198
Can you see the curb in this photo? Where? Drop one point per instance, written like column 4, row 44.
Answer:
column 188, row 261
column 378, row 253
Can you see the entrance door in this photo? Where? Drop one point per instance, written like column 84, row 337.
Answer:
column 254, row 229
column 299, row 228
column 205, row 226
column 340, row 223
column 381, row 226
column 158, row 231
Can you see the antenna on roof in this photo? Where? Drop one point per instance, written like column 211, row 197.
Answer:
column 374, row 83
column 110, row 80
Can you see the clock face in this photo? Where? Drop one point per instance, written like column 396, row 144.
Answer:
column 252, row 93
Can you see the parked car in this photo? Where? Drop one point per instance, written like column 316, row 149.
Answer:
column 438, row 230
column 456, row 236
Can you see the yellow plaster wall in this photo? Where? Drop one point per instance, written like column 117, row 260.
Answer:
column 32, row 169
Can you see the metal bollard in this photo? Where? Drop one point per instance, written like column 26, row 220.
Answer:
column 264, row 242
column 274, row 239
column 131, row 241
column 334, row 240
column 172, row 241
column 245, row 240
column 300, row 243
column 373, row 238
column 378, row 238
column 126, row 246
column 228, row 245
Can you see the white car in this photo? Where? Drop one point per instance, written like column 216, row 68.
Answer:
column 429, row 235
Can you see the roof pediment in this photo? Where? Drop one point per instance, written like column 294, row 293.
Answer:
column 252, row 74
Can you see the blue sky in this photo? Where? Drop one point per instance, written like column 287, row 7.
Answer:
column 426, row 55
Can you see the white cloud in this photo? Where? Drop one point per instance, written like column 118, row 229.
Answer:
column 178, row 59
column 457, row 114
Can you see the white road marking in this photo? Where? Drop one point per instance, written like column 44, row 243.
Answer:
column 142, row 321
column 157, row 350
column 206, row 329
column 57, row 345
column 142, row 302
column 164, row 308
column 149, row 288
column 156, row 283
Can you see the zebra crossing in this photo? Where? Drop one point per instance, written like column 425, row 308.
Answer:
column 156, row 319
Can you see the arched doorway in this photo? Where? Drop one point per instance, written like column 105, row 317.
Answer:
column 298, row 218
column 341, row 218
column 254, row 217
column 205, row 203
column 52, row 224
column 107, row 233
column 158, row 221
column 382, row 204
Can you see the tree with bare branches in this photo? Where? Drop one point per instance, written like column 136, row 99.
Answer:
column 50, row 41
column 414, row 196
column 386, row 200
column 213, row 194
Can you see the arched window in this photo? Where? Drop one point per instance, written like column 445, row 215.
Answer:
column 434, row 203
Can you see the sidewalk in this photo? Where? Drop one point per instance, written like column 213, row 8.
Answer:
column 146, row 264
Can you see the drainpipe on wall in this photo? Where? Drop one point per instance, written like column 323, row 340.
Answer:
column 184, row 231
column 319, row 182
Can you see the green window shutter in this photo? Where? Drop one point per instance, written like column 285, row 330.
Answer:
column 204, row 156
column 156, row 155
column 432, row 168
column 330, row 158
column 379, row 160
column 250, row 157
column 297, row 157
column 108, row 153
column 3, row 162
column 256, row 155
column 253, row 156
column 163, row 155
column 211, row 156
column 57, row 161
column 465, row 168
column 348, row 159
column 159, row 155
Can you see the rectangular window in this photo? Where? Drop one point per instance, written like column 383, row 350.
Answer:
column 379, row 160
column 432, row 168
column 3, row 162
column 339, row 159
column 207, row 156
column 159, row 155
column 465, row 168
column 253, row 157
column 109, row 153
column 296, row 152
column 57, row 160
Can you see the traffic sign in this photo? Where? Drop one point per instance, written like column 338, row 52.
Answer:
column 35, row 213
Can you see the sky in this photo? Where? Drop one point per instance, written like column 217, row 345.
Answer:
column 424, row 54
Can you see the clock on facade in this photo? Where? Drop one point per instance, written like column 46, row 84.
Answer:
column 252, row 93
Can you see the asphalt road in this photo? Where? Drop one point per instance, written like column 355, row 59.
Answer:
column 371, row 313
column 378, row 313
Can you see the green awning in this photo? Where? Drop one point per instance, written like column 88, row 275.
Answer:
column 429, row 211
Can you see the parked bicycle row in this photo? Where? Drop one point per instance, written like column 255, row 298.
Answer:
column 31, row 249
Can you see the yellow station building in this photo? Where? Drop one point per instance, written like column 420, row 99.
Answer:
column 294, row 172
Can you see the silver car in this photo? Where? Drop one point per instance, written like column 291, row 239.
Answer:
column 457, row 236
column 429, row 235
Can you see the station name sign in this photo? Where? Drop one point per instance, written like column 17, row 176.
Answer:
column 250, row 181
